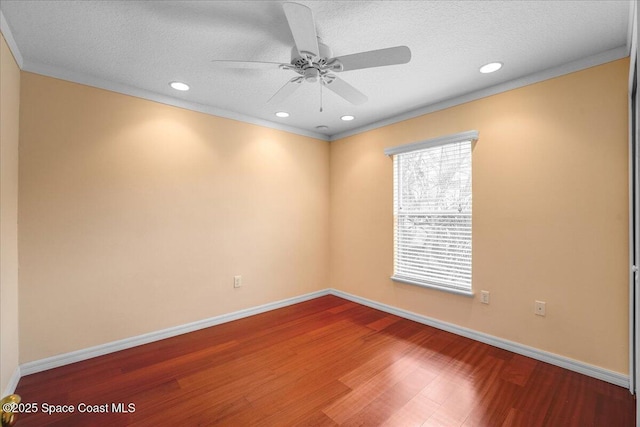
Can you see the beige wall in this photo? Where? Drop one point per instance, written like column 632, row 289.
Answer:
column 9, row 125
column 135, row 216
column 550, row 215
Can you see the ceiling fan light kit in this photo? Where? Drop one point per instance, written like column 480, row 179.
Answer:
column 313, row 60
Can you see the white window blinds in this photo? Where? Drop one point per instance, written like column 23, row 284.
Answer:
column 432, row 212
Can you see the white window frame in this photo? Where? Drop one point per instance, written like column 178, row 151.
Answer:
column 400, row 274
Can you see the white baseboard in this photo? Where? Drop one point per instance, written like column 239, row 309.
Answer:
column 13, row 382
column 534, row 353
column 99, row 350
column 111, row 347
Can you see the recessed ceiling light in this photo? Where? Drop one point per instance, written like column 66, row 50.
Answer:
column 347, row 118
column 491, row 67
column 179, row 86
column 282, row 114
column 322, row 127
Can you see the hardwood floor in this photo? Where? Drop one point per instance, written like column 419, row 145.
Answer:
column 324, row 362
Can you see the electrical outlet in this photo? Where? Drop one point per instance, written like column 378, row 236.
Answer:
column 484, row 297
column 540, row 308
column 237, row 281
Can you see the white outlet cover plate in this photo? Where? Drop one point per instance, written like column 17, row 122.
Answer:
column 484, row 297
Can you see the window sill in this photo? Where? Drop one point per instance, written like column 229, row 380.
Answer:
column 432, row 286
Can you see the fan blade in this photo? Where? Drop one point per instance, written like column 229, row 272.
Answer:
column 286, row 91
column 375, row 58
column 345, row 90
column 303, row 28
column 247, row 64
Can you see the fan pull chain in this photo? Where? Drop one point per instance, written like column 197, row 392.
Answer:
column 321, row 95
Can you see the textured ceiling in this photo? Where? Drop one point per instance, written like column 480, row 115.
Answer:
column 140, row 46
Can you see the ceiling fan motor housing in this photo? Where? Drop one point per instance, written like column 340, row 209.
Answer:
column 313, row 68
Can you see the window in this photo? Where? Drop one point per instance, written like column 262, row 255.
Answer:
column 432, row 212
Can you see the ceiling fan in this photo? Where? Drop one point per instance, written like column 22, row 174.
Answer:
column 313, row 60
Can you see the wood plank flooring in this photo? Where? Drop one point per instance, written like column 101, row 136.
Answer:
column 324, row 362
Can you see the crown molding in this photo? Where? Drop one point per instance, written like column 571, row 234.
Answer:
column 8, row 36
column 550, row 73
column 570, row 67
column 71, row 76
column 88, row 80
